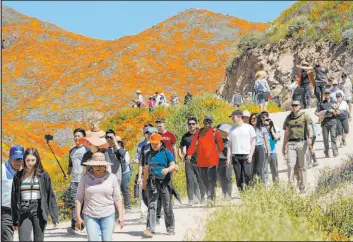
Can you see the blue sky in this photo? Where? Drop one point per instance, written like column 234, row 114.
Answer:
column 109, row 20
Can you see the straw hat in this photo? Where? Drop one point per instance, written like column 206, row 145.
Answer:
column 260, row 74
column 94, row 140
column 98, row 159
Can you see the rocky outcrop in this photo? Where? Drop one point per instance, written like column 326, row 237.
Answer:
column 280, row 60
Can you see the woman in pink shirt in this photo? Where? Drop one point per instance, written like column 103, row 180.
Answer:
column 99, row 191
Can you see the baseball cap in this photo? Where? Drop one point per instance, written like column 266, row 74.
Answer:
column 246, row 113
column 338, row 94
column 156, row 138
column 335, row 82
column 208, row 117
column 237, row 113
column 17, row 152
column 225, row 128
column 152, row 130
column 327, row 90
column 296, row 102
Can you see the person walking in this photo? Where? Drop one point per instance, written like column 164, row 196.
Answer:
column 194, row 182
column 336, row 89
column 224, row 171
column 117, row 155
column 297, row 138
column 75, row 168
column 8, row 171
column 207, row 143
column 241, row 147
column 156, row 181
column 99, row 192
column 262, row 149
column 346, row 86
column 305, row 81
column 32, row 198
column 328, row 112
column 246, row 116
column 188, row 98
column 169, row 139
column 261, row 90
column 273, row 138
column 342, row 119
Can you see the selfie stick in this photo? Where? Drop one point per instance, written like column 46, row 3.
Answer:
column 56, row 158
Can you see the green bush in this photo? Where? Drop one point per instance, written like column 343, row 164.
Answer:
column 250, row 41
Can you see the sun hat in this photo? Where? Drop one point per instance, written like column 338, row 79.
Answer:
column 98, row 159
column 17, row 152
column 327, row 90
column 260, row 74
column 246, row 113
column 94, row 140
column 156, row 138
column 225, row 128
column 138, row 91
column 162, row 94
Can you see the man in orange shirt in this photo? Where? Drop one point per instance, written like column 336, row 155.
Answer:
column 207, row 143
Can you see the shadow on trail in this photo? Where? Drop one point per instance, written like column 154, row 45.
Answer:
column 64, row 234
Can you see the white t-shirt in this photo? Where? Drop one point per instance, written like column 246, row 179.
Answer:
column 343, row 106
column 241, row 136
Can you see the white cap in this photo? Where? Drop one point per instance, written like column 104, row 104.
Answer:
column 162, row 94
column 225, row 128
column 246, row 113
column 138, row 91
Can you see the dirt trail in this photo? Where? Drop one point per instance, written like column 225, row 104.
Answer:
column 190, row 220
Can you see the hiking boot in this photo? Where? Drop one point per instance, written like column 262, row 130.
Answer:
column 335, row 154
column 314, row 159
column 344, row 142
column 148, row 233
column 315, row 164
column 327, row 155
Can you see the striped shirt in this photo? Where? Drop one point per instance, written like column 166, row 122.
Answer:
column 30, row 190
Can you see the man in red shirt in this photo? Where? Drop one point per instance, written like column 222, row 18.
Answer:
column 169, row 138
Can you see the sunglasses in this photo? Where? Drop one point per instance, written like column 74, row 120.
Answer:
column 19, row 159
column 253, row 118
column 109, row 137
column 295, row 105
column 191, row 124
column 266, row 125
column 207, row 121
column 327, row 93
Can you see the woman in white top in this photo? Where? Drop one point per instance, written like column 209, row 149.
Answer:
column 346, row 85
column 342, row 119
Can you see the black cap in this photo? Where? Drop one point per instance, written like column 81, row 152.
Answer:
column 236, row 113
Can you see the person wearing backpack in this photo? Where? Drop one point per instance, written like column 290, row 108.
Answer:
column 156, row 179
column 262, row 90
column 305, row 81
column 207, row 143
column 297, row 137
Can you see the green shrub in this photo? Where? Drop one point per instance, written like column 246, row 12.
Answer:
column 250, row 41
column 296, row 24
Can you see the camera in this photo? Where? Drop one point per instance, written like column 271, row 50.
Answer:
column 48, row 137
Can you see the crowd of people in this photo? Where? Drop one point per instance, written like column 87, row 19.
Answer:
column 159, row 99
column 100, row 167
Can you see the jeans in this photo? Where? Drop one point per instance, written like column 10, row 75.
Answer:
column 6, row 224
column 330, row 127
column 156, row 190
column 258, row 162
column 274, row 166
column 225, row 177
column 194, row 182
column 72, row 196
column 95, row 226
column 319, row 92
column 31, row 219
column 125, row 189
column 209, row 178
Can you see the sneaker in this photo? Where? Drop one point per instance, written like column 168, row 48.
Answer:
column 335, row 154
column 73, row 231
column 310, row 166
column 127, row 210
column 158, row 222
column 190, row 203
column 171, row 233
column 344, row 142
column 327, row 155
column 203, row 201
column 315, row 164
column 148, row 233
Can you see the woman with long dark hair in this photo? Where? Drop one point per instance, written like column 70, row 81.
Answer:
column 33, row 198
column 262, row 148
column 273, row 138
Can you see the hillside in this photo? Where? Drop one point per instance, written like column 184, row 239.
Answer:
column 53, row 79
column 317, row 32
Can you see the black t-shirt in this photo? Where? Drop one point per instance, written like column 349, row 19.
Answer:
column 321, row 78
column 186, row 141
column 326, row 105
column 305, row 79
column 144, row 150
